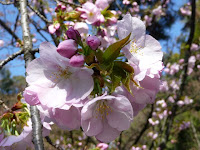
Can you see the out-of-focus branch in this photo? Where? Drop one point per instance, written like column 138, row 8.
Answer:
column 145, row 126
column 3, row 24
column 195, row 134
column 52, row 144
column 15, row 26
column 28, row 57
column 38, row 30
column 4, row 105
column 7, row 3
column 11, row 57
column 39, row 14
column 170, row 119
column 141, row 132
column 70, row 3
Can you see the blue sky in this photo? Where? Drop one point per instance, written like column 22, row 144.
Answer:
column 17, row 66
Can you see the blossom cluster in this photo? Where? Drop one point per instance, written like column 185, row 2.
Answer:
column 77, row 84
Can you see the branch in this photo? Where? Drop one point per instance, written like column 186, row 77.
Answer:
column 195, row 133
column 28, row 57
column 141, row 132
column 6, row 3
column 52, row 144
column 183, row 83
column 4, row 105
column 11, row 57
column 39, row 14
column 9, row 30
column 69, row 3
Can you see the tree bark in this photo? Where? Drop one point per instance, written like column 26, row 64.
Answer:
column 28, row 57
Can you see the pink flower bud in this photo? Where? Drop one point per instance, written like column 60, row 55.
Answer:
column 77, row 60
column 67, row 48
column 63, row 7
column 73, row 34
column 102, row 146
column 93, row 42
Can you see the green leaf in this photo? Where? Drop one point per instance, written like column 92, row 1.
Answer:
column 99, row 55
column 113, row 51
column 116, row 79
column 125, row 66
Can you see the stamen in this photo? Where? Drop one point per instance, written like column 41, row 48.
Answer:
column 102, row 109
column 134, row 48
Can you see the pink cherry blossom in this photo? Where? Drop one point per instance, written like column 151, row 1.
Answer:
column 81, row 27
column 106, row 116
column 90, row 12
column 102, row 4
column 194, row 47
column 143, row 50
column 66, row 117
column 56, row 79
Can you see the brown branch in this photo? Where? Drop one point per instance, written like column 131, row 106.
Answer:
column 11, row 57
column 141, row 132
column 28, row 57
column 39, row 14
column 69, row 3
column 3, row 24
column 52, row 144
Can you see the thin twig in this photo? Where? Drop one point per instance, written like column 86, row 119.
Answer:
column 3, row 24
column 52, row 144
column 69, row 3
column 11, row 57
column 39, row 14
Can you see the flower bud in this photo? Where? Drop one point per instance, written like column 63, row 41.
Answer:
column 67, row 48
column 63, row 7
column 93, row 42
column 73, row 34
column 77, row 60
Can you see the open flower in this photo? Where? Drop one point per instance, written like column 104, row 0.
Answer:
column 90, row 12
column 106, row 116
column 55, row 81
column 145, row 56
column 143, row 50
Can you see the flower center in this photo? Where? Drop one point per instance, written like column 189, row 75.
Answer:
column 61, row 74
column 134, row 48
column 102, row 109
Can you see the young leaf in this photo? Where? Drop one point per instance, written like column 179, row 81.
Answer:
column 113, row 51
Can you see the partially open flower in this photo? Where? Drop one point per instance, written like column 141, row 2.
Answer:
column 67, row 48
